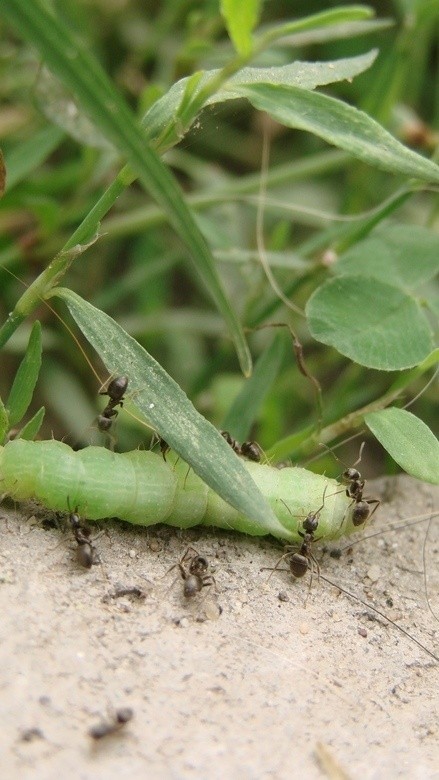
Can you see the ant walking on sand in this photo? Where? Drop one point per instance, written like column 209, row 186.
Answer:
column 355, row 487
column 301, row 560
column 194, row 572
column 86, row 552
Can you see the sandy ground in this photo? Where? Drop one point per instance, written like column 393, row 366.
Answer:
column 243, row 683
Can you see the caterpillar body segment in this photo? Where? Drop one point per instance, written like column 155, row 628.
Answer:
column 97, row 482
column 141, row 488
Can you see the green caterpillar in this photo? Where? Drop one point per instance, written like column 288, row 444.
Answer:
column 141, row 488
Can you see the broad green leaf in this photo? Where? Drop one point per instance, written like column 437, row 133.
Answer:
column 4, row 422
column 30, row 430
column 247, row 404
column 341, row 125
column 26, row 378
column 408, row 440
column 30, row 154
column 308, row 75
column 373, row 323
column 74, row 64
column 406, row 256
column 166, row 407
column 241, row 18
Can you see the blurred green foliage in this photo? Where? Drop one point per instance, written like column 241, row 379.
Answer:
column 138, row 271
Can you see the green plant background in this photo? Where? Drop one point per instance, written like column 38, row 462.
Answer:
column 149, row 267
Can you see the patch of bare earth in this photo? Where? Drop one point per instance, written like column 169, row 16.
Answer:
column 245, row 682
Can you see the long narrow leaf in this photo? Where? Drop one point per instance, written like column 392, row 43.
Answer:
column 246, row 405
column 165, row 406
column 29, row 154
column 26, row 378
column 341, row 125
column 76, row 67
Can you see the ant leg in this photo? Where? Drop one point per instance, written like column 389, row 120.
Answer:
column 275, row 568
column 313, row 566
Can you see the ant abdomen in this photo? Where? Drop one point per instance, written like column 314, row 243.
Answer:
column 298, row 565
column 116, row 388
column 360, row 513
column 192, row 585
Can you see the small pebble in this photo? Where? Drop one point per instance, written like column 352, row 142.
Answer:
column 212, row 610
column 362, row 632
column 304, row 628
column 374, row 573
column 28, row 735
column 283, row 596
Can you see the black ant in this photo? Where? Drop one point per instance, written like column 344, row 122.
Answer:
column 302, row 560
column 249, row 449
column 193, row 569
column 252, row 451
column 106, row 727
column 355, row 487
column 231, row 442
column 86, row 552
column 116, row 390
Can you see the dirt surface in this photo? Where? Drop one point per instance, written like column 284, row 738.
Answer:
column 243, row 683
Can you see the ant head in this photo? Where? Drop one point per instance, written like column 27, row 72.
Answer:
column 251, row 450
column 229, row 439
column 311, row 523
column 198, row 565
column 75, row 521
column 351, row 475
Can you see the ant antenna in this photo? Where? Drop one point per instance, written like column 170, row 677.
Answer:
column 331, row 451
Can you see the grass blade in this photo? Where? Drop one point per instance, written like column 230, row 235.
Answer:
column 166, row 407
column 75, row 66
